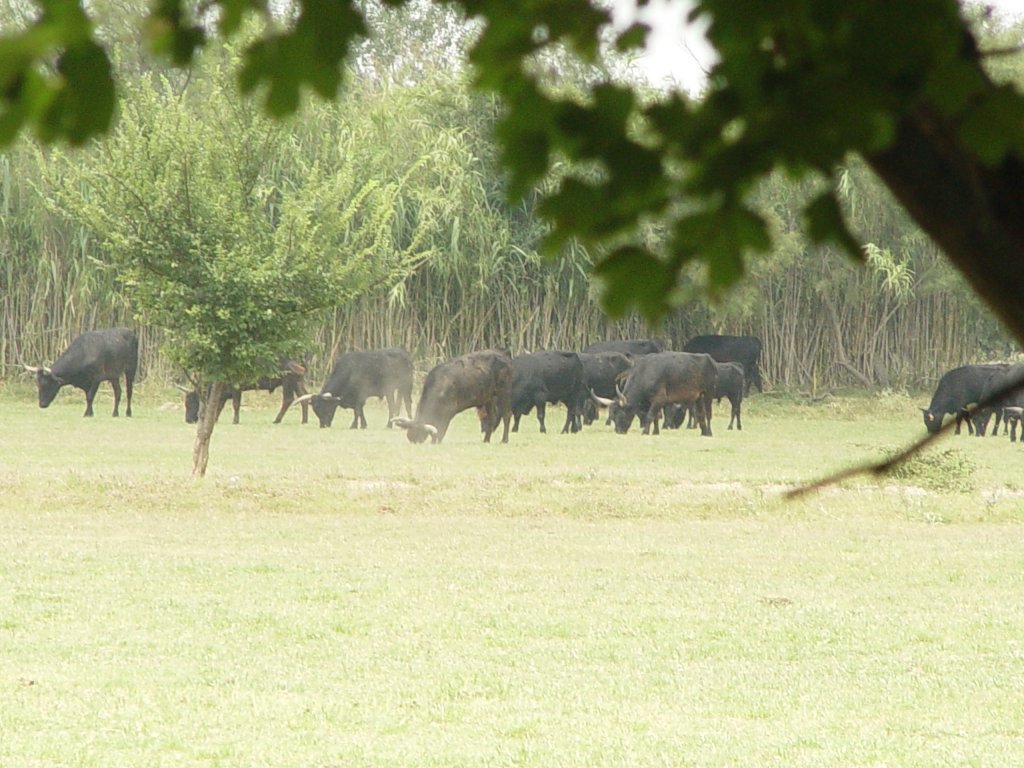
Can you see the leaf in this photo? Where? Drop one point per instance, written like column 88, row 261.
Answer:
column 83, row 105
column 525, row 137
column 995, row 125
column 633, row 37
column 170, row 32
column 233, row 11
column 825, row 223
column 632, row 275
column 310, row 54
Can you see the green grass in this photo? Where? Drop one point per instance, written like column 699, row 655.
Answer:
column 339, row 598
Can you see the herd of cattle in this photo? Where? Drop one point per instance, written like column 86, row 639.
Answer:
column 633, row 379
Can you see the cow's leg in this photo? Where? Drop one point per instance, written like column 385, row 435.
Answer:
column 116, row 384
column 299, row 391
column 285, row 402
column 128, row 384
column 734, row 414
column 541, row 411
column 393, row 407
column 90, row 393
column 506, row 417
column 570, row 415
column 236, row 406
column 287, row 398
column 572, row 418
column 489, row 420
column 652, row 420
column 704, row 415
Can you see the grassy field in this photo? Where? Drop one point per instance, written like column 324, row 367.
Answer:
column 334, row 598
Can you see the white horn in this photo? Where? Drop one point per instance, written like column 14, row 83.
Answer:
column 401, row 421
column 431, row 429
column 620, row 400
column 605, row 401
column 33, row 368
column 186, row 390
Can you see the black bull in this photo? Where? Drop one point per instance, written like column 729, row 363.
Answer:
column 601, row 371
column 745, row 350
column 539, row 378
column 359, row 375
column 96, row 356
column 626, row 346
column 957, row 389
column 481, row 380
column 662, row 379
column 291, row 379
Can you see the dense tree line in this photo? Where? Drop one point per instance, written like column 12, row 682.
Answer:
column 398, row 186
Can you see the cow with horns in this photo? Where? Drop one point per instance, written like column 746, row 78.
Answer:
column 481, row 380
column 290, row 377
column 96, row 356
column 661, row 379
column 359, row 375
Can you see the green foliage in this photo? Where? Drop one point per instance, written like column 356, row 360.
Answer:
column 402, row 170
column 798, row 87
column 948, row 470
column 210, row 242
column 55, row 77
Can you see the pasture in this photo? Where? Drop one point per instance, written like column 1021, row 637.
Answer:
column 338, row 598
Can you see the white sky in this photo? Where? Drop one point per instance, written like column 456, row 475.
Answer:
column 678, row 52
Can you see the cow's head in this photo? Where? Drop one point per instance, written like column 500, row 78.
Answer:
column 324, row 406
column 47, row 382
column 622, row 418
column 620, row 412
column 416, row 432
column 932, row 420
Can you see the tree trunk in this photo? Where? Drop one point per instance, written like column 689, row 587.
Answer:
column 204, row 430
column 975, row 213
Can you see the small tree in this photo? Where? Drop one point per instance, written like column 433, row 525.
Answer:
column 214, row 246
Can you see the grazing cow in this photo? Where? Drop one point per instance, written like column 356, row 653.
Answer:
column 731, row 383
column 601, row 370
column 626, row 347
column 1012, row 416
column 481, row 380
column 360, row 375
column 998, row 393
column 290, row 379
column 745, row 350
column 661, row 379
column 957, row 389
column 539, row 378
column 94, row 357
